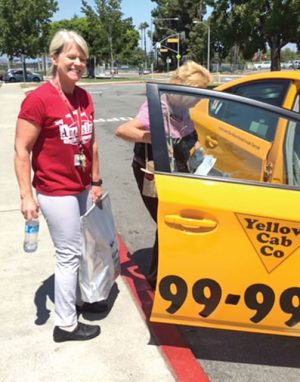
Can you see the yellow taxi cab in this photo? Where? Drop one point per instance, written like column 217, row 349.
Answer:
column 229, row 228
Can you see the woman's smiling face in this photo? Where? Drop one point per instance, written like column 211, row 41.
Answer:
column 70, row 63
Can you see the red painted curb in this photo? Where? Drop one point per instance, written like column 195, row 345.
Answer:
column 180, row 358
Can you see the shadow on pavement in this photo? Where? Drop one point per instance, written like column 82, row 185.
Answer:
column 167, row 336
column 110, row 302
column 134, row 267
column 142, row 259
column 242, row 347
column 47, row 290
column 40, row 300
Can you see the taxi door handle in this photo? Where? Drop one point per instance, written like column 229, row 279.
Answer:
column 211, row 142
column 191, row 223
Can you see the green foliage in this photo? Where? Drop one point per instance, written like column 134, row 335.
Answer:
column 256, row 24
column 111, row 37
column 128, row 45
column 24, row 26
column 135, row 58
column 197, row 49
column 239, row 28
column 287, row 54
column 143, row 28
column 78, row 24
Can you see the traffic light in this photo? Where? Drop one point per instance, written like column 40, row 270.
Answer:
column 174, row 40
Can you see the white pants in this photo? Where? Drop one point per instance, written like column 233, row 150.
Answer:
column 62, row 214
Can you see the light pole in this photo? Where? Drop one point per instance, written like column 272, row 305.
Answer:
column 151, row 32
column 208, row 40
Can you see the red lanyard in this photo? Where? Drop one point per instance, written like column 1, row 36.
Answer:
column 71, row 110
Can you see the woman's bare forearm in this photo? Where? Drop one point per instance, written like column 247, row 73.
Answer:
column 23, row 173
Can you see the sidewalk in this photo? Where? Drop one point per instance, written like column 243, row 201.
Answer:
column 125, row 350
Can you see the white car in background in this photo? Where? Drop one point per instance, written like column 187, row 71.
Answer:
column 16, row 75
column 291, row 64
column 263, row 65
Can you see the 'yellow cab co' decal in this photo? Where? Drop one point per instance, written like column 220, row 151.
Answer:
column 274, row 241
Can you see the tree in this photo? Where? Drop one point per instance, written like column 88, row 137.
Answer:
column 111, row 33
column 78, row 24
column 143, row 27
column 128, row 51
column 82, row 26
column 24, row 26
column 91, row 29
column 288, row 54
column 257, row 24
column 197, row 48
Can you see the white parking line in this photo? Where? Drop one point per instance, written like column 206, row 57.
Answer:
column 115, row 119
column 99, row 92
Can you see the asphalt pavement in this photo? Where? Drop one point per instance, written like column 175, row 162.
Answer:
column 125, row 350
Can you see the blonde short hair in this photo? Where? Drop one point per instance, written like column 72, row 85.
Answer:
column 191, row 74
column 61, row 39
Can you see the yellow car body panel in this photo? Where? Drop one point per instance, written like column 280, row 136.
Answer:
column 226, row 250
column 286, row 75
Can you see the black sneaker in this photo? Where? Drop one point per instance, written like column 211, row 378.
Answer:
column 82, row 332
column 94, row 307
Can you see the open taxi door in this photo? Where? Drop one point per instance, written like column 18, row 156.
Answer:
column 229, row 246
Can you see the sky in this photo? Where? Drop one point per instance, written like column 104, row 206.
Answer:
column 139, row 10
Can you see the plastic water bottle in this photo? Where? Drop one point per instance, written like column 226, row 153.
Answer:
column 31, row 235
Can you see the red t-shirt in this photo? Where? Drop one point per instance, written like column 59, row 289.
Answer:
column 53, row 155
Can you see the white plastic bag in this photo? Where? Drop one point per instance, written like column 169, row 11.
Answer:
column 100, row 260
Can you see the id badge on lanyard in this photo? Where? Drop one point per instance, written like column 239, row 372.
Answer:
column 79, row 158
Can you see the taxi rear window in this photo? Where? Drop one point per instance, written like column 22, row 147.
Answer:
column 254, row 121
column 260, row 123
column 271, row 92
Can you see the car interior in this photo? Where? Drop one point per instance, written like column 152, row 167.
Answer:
column 236, row 138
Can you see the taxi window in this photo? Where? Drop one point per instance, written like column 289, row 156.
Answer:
column 271, row 92
column 260, row 123
column 226, row 138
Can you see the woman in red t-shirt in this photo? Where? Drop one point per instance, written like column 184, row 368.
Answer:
column 55, row 129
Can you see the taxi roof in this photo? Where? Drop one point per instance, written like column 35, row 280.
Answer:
column 288, row 75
